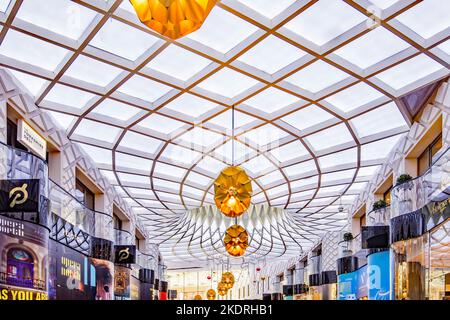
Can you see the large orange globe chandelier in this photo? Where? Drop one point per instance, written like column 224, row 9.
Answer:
column 173, row 18
column 232, row 195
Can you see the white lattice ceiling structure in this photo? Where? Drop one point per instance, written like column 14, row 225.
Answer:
column 315, row 85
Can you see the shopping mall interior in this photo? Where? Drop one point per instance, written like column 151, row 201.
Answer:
column 224, row 150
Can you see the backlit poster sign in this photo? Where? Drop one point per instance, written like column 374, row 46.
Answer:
column 347, row 286
column 104, row 278
column 122, row 279
column 71, row 275
column 378, row 276
column 23, row 271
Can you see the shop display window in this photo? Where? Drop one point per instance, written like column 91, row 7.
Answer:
column 440, row 263
column 425, row 160
column 411, row 260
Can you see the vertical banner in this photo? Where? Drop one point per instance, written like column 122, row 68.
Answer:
column 24, row 265
column 347, row 286
column 71, row 275
column 104, row 278
column 135, row 288
column 122, row 283
column 378, row 276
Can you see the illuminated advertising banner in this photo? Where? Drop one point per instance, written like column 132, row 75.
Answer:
column 362, row 285
column 379, row 279
column 71, row 275
column 347, row 286
column 122, row 283
column 19, row 195
column 135, row 285
column 24, row 267
column 104, row 278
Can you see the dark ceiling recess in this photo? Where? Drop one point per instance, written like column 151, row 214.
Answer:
column 418, row 99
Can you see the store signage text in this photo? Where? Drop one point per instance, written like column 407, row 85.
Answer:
column 12, row 294
column 30, row 138
column 12, row 228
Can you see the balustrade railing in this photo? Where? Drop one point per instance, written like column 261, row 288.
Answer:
column 379, row 217
column 433, row 185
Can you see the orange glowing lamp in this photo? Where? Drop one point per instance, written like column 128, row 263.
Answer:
column 173, row 18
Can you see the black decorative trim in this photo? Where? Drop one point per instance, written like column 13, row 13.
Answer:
column 300, row 288
column 147, row 276
column 375, row 237
column 408, row 226
column 314, row 280
column 347, row 264
column 328, row 277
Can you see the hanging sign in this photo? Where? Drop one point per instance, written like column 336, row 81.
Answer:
column 30, row 138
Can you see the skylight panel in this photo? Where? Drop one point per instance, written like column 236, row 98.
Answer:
column 162, row 169
column 4, row 4
column 427, row 18
column 277, row 191
column 328, row 138
column 128, row 179
column 97, row 130
column 143, row 88
column 290, row 151
column 268, row 8
column 228, row 83
column 33, row 84
column 222, row 31
column 367, row 172
column 225, row 120
column 325, row 21
column 130, row 162
column 140, row 142
column 354, row 97
column 211, row 165
column 271, row 178
column 92, row 71
column 337, row 159
column 178, row 62
column 379, row 150
column 225, row 151
column 60, row 16
column 69, row 96
column 177, row 154
column 191, row 105
column 332, row 190
column 317, row 77
column 265, row 135
column 258, row 165
column 271, row 55
column 98, row 155
column 16, row 45
column 308, row 117
column 62, row 119
column 115, row 109
column 301, row 168
column 410, row 71
column 384, row 118
column 372, row 48
column 310, row 182
column 195, row 178
column 357, row 187
column 161, row 124
column 272, row 100
column 201, row 137
column 343, row 175
column 123, row 40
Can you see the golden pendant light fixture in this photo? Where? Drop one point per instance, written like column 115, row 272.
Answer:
column 221, row 289
column 236, row 240
column 211, row 294
column 173, row 18
column 232, row 195
column 228, row 280
column 198, row 297
column 232, row 191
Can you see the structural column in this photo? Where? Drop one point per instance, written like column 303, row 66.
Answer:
column 3, row 137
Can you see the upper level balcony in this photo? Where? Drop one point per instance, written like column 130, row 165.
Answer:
column 433, row 185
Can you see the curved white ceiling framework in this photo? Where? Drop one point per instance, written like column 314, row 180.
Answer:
column 197, row 236
column 315, row 85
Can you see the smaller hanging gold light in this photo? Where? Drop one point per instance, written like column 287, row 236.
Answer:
column 228, row 280
column 211, row 294
column 197, row 297
column 236, row 240
column 221, row 289
column 173, row 18
column 233, row 191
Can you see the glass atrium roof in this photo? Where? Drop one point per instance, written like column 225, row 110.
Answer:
column 315, row 86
